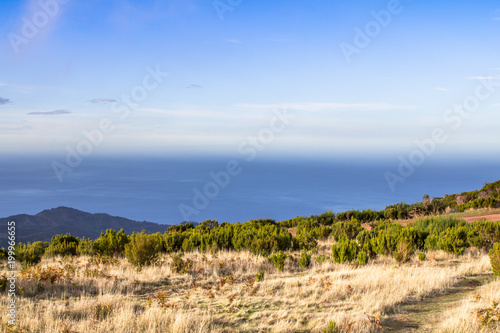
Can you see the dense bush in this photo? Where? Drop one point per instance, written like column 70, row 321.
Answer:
column 111, row 243
column 260, row 237
column 143, row 249
column 346, row 250
column 346, row 230
column 64, row 245
column 278, row 259
column 86, row 247
column 363, row 257
column 385, row 238
column 483, row 234
column 321, row 259
column 495, row 259
column 307, row 235
column 409, row 240
column 30, row 254
column 305, row 259
column 454, row 240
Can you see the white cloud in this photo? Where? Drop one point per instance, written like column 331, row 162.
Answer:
column 312, row 107
column 484, row 77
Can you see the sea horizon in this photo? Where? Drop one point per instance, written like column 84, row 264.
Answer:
column 170, row 190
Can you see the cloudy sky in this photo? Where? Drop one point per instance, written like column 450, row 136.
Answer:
column 197, row 76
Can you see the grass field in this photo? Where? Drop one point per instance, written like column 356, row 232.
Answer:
column 219, row 293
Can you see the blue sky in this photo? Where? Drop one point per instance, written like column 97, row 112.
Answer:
column 227, row 76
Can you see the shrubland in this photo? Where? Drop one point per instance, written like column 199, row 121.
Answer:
column 253, row 276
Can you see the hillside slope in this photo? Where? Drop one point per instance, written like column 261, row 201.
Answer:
column 62, row 220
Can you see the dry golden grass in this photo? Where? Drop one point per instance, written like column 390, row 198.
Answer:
column 220, row 294
column 465, row 318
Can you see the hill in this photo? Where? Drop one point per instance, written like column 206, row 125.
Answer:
column 48, row 223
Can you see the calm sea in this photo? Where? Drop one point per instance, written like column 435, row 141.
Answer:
column 152, row 189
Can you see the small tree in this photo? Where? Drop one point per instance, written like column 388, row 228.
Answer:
column 278, row 259
column 143, row 249
column 111, row 243
column 30, row 254
column 495, row 259
column 305, row 259
column 63, row 245
column 454, row 240
column 346, row 250
column 259, row 276
column 363, row 257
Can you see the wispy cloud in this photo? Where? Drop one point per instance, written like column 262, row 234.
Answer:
column 14, row 127
column 4, row 101
column 194, row 86
column 312, row 107
column 50, row 113
column 442, row 89
column 234, row 41
column 483, row 77
column 103, row 100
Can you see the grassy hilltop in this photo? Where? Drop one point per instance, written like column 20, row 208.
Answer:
column 404, row 269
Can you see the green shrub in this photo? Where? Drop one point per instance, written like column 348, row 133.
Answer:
column 63, row 245
column 3, row 253
column 30, row 254
column 409, row 240
column 454, row 240
column 111, row 243
column 386, row 238
column 179, row 266
column 305, row 259
column 432, row 241
column 86, row 247
column 259, row 277
column 3, row 283
column 306, row 237
column 421, row 256
column 278, row 259
column 143, row 249
column 346, row 250
column 260, row 236
column 483, row 234
column 346, row 230
column 321, row 259
column 403, row 252
column 364, row 240
column 495, row 259
column 331, row 327
column 363, row 257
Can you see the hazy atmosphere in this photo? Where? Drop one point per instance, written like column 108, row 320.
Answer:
column 228, row 166
column 190, row 77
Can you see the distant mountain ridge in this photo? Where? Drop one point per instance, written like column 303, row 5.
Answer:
column 48, row 223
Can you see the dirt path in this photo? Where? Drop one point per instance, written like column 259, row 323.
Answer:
column 424, row 315
column 491, row 217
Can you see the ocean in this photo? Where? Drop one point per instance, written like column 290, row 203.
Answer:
column 174, row 189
